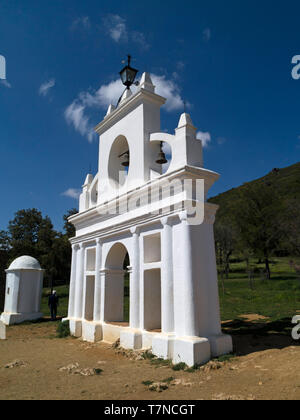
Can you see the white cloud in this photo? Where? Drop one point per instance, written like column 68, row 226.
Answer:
column 221, row 140
column 103, row 97
column 81, row 23
column 72, row 193
column 206, row 34
column 116, row 28
column 46, row 86
column 76, row 114
column 180, row 65
column 170, row 90
column 139, row 38
column 167, row 149
column 6, row 84
column 204, row 137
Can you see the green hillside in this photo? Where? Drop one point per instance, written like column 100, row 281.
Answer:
column 285, row 180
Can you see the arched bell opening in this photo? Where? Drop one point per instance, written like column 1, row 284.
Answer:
column 94, row 194
column 161, row 156
column 119, row 162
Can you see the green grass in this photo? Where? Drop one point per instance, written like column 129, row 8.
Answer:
column 276, row 299
column 63, row 294
column 168, row 380
column 179, row 366
column 225, row 358
column 147, row 383
column 63, row 329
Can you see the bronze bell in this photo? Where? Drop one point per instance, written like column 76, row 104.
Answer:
column 125, row 159
column 161, row 158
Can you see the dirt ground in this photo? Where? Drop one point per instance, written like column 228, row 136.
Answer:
column 266, row 367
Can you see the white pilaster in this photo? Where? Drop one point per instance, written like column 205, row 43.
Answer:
column 71, row 310
column 79, row 282
column 167, row 290
column 102, row 275
column 14, row 308
column 39, row 291
column 188, row 311
column 134, row 270
column 97, row 297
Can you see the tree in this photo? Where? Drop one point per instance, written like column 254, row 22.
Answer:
column 259, row 214
column 68, row 227
column 4, row 259
column 291, row 227
column 225, row 243
column 24, row 233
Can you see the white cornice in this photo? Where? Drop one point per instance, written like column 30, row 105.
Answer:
column 184, row 172
column 126, row 106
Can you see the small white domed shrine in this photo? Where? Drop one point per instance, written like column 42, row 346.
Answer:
column 137, row 206
column 25, row 263
column 24, row 284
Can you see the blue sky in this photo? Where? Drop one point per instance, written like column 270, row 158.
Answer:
column 231, row 62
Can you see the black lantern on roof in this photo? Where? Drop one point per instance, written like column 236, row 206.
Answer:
column 128, row 74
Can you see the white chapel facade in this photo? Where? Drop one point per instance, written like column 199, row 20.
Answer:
column 173, row 288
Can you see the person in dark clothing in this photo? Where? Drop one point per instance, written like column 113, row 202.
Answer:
column 53, row 304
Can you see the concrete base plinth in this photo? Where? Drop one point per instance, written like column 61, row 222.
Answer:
column 191, row 350
column 163, row 346
column 111, row 333
column 2, row 331
column 147, row 340
column 11, row 319
column 75, row 328
column 220, row 345
column 91, row 332
column 131, row 339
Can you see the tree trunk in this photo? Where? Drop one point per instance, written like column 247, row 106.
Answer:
column 268, row 271
column 222, row 280
column 227, row 266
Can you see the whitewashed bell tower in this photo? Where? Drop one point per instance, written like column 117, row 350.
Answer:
column 174, row 302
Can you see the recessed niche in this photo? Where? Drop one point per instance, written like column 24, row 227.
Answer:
column 152, row 300
column 89, row 298
column 152, row 248
column 91, row 259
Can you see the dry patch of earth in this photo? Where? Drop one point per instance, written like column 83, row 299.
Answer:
column 34, row 365
column 253, row 317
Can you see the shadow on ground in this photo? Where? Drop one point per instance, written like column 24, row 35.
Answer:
column 249, row 337
column 43, row 320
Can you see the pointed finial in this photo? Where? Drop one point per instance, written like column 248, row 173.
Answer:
column 146, row 82
column 110, row 109
column 185, row 120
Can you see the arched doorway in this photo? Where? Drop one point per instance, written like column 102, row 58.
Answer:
column 117, row 290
